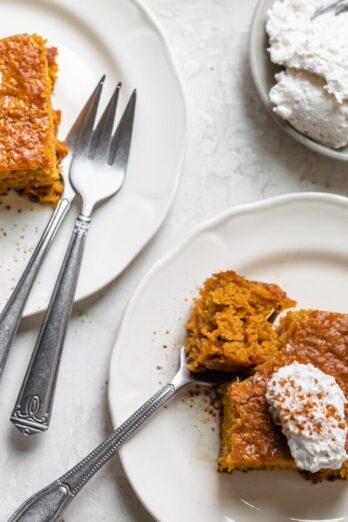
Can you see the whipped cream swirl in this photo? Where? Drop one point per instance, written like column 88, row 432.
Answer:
column 309, row 406
column 312, row 92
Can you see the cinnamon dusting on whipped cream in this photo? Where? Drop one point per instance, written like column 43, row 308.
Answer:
column 309, row 406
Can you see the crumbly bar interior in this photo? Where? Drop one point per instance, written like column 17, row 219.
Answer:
column 229, row 328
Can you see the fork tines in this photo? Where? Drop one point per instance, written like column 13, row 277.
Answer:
column 100, row 142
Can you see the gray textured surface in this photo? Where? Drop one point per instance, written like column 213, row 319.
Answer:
column 236, row 154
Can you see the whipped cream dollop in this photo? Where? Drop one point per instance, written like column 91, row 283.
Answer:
column 309, row 406
column 300, row 98
column 317, row 47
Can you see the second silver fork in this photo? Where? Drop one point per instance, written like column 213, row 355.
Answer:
column 97, row 172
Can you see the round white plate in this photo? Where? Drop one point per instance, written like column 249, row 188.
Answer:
column 298, row 241
column 121, row 39
column 263, row 71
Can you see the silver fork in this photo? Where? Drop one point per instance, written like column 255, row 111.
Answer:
column 12, row 313
column 49, row 503
column 97, row 172
column 339, row 6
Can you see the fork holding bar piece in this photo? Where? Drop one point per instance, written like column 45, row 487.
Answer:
column 50, row 502
column 12, row 313
column 97, row 172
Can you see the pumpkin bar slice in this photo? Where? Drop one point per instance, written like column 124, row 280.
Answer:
column 29, row 150
column 230, row 327
column 249, row 437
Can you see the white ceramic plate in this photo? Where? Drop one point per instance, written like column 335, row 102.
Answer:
column 298, row 241
column 263, row 71
column 121, row 39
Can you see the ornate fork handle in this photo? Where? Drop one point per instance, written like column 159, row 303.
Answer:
column 12, row 313
column 34, row 404
column 49, row 503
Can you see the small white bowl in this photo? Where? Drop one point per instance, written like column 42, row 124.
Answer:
column 263, row 71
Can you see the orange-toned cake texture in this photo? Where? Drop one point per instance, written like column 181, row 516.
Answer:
column 29, row 150
column 230, row 327
column 249, row 438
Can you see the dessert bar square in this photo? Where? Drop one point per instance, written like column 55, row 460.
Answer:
column 249, row 437
column 29, row 150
